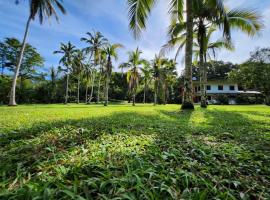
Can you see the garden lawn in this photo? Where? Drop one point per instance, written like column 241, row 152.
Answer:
column 141, row 152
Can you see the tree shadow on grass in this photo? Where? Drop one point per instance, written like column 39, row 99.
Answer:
column 169, row 155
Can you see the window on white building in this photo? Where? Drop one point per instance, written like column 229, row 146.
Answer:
column 220, row 87
column 208, row 87
column 232, row 87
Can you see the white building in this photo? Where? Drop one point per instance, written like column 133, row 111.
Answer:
column 220, row 87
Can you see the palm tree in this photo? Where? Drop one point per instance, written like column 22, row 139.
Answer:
column 157, row 64
column 202, row 53
column 134, row 61
column 110, row 52
column 147, row 72
column 44, row 9
column 139, row 11
column 68, row 50
column 96, row 42
column 208, row 14
column 53, row 77
column 78, row 66
column 87, row 75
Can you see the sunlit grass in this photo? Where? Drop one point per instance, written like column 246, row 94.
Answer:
column 141, row 152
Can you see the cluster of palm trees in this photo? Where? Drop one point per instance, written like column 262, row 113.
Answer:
column 203, row 17
column 93, row 62
column 161, row 71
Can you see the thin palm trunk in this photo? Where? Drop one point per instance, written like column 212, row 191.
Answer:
column 86, row 93
column 187, row 94
column 144, row 93
column 66, row 97
column 133, row 98
column 78, row 90
column 106, row 95
column 92, row 87
column 156, row 92
column 98, row 92
column 202, row 80
column 12, row 99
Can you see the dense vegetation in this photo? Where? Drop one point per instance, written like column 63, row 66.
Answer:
column 143, row 152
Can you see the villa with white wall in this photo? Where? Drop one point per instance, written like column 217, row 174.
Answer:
column 220, row 87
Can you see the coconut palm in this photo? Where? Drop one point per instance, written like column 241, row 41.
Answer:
column 110, row 52
column 44, row 9
column 96, row 42
column 78, row 66
column 146, row 77
column 67, row 50
column 157, row 64
column 207, row 16
column 133, row 74
column 139, row 11
column 53, row 77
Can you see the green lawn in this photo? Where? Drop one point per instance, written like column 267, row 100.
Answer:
column 142, row 152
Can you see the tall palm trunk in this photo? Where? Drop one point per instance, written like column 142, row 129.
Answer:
column 144, row 92
column 99, row 81
column 86, row 93
column 92, row 87
column 133, row 98
column 202, row 81
column 12, row 98
column 187, row 93
column 78, row 90
column 156, row 92
column 66, row 96
column 106, row 91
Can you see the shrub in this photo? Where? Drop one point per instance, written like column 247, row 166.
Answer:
column 222, row 99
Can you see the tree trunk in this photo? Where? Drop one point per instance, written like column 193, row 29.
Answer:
column 133, row 99
column 144, row 93
column 202, row 79
column 86, row 93
column 78, row 91
column 66, row 97
column 92, row 88
column 12, row 99
column 187, row 93
column 267, row 99
column 106, row 95
column 156, row 92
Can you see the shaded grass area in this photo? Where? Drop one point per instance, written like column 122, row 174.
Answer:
column 142, row 152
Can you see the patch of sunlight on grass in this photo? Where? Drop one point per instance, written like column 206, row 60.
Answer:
column 198, row 118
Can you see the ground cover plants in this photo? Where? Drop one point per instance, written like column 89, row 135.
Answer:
column 142, row 152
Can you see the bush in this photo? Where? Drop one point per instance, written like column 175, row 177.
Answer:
column 245, row 99
column 222, row 99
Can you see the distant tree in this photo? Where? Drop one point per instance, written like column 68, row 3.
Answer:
column 260, row 55
column 146, row 77
column 110, row 52
column 67, row 50
column 78, row 67
column 45, row 8
column 53, row 78
column 96, row 42
column 253, row 75
column 134, row 61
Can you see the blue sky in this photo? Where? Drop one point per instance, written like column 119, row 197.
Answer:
column 110, row 17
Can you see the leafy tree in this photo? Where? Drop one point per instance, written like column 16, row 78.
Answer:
column 260, row 55
column 44, row 8
column 134, row 61
column 255, row 73
column 146, row 77
column 96, row 42
column 139, row 11
column 110, row 52
column 67, row 50
column 78, row 67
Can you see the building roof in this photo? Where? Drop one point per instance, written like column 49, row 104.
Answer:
column 248, row 92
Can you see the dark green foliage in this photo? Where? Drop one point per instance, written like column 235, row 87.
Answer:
column 143, row 152
column 222, row 99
